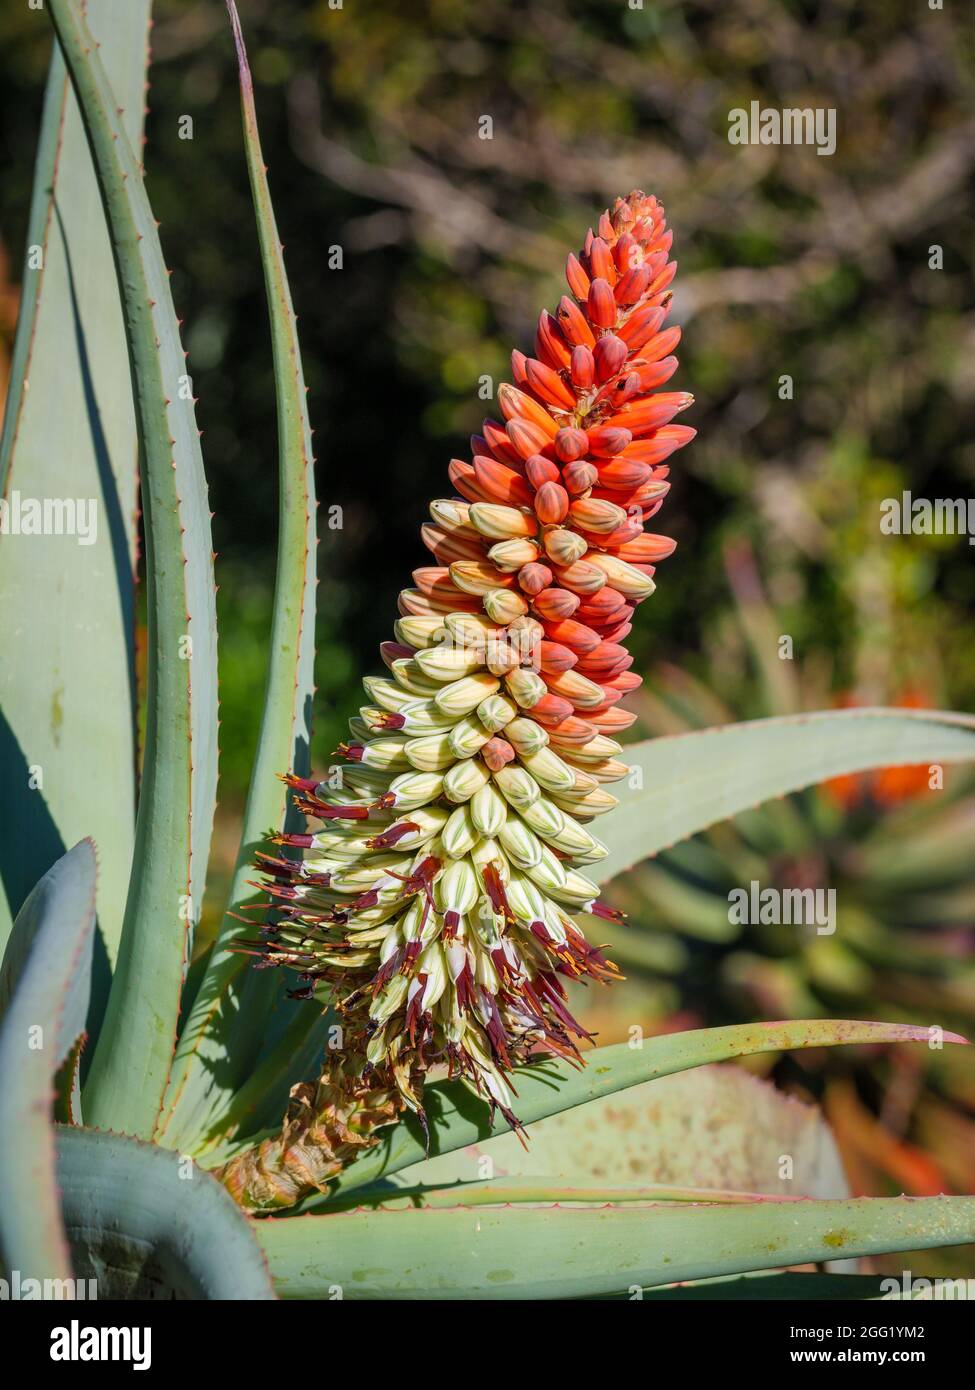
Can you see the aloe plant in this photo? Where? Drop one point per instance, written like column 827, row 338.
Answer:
column 388, row 1148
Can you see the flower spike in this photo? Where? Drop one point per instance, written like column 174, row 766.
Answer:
column 440, row 928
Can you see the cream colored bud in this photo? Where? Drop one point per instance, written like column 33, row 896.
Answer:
column 470, row 629
column 419, row 631
column 432, row 753
column 549, row 873
column 526, row 901
column 501, row 656
column 452, row 515
column 463, row 696
column 548, row 769
column 512, row 555
column 593, row 803
column 521, row 845
column 384, row 754
column 525, row 687
column 498, row 522
column 464, row 779
column 573, row 838
column 412, row 677
column 625, row 579
column 593, row 514
column 504, row 605
column 468, row 736
column 544, row 818
column 387, row 694
column 489, row 810
column 459, row 835
column 457, row 889
column 564, row 546
column 414, row 789
column 576, row 890
column 496, row 713
column 475, row 576
column 517, row 786
column 590, row 754
column 446, row 663
column 525, row 736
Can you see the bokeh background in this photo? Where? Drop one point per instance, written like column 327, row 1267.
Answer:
column 791, row 264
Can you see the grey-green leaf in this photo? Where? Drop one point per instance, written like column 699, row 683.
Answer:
column 229, row 1017
column 683, row 783
column 457, row 1118
column 44, row 986
column 576, row 1252
column 175, row 814
column 145, row 1223
column 67, row 631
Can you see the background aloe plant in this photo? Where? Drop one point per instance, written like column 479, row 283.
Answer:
column 199, row 1063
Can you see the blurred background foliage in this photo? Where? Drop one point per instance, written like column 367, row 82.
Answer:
column 791, row 265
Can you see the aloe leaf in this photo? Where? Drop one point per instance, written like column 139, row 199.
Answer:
column 715, row 1127
column 683, row 783
column 457, row 1118
column 44, row 984
column 175, row 813
column 578, row 1252
column 229, row 1016
column 67, row 680
column 148, row 1224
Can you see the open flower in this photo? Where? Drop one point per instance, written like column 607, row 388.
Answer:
column 435, row 904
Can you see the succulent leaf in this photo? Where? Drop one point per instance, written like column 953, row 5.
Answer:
column 44, row 986
column 175, row 814
column 67, row 680
column 229, row 1018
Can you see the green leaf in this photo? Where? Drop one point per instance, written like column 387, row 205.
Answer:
column 578, row 1252
column 716, row 1127
column 67, row 680
column 175, row 813
column 458, row 1118
column 44, row 983
column 690, row 781
column 146, row 1224
column 229, row 1018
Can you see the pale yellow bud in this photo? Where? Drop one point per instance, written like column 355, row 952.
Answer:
column 504, row 605
column 387, row 694
column 432, row 753
column 526, row 901
column 457, row 889
column 467, row 736
column 475, row 576
column 548, row 769
column 521, row 845
column 414, row 789
column 511, row 555
column 459, row 835
column 452, row 515
column 596, row 751
column 544, row 818
column 447, row 662
column 625, row 579
column 577, row 890
column 525, row 736
column 592, row 803
column 384, row 754
column 564, row 546
column 496, row 713
column 470, row 629
column 412, row 677
column 525, row 687
column 489, row 810
column 463, row 696
column 464, row 779
column 498, row 522
column 419, row 631
column 549, row 872
column 517, row 786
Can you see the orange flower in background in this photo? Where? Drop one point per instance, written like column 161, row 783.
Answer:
column 433, row 906
column 888, row 786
